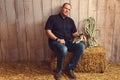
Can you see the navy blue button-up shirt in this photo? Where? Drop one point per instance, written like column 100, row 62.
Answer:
column 61, row 28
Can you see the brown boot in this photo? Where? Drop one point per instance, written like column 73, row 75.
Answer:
column 58, row 74
column 70, row 73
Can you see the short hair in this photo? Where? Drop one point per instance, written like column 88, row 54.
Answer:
column 65, row 4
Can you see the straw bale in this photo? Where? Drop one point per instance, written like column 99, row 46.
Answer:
column 41, row 71
column 92, row 60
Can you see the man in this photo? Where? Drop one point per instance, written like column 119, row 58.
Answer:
column 61, row 31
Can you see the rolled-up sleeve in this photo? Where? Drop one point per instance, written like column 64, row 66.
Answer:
column 49, row 24
column 73, row 27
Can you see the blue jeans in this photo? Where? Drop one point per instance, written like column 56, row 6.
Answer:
column 61, row 52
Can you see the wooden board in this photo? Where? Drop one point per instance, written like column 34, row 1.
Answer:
column 109, row 25
column 12, row 30
column 46, row 13
column 108, row 32
column 74, row 13
column 4, row 32
column 83, row 13
column 29, row 24
column 116, row 38
column 110, row 14
column 39, row 29
column 21, row 30
column 92, row 8
column 101, row 13
column 0, row 31
column 56, row 6
column 64, row 1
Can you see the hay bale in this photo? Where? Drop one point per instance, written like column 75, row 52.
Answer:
column 93, row 60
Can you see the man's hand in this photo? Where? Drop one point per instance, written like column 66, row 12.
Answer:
column 62, row 41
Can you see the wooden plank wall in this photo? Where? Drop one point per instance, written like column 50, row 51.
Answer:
column 22, row 35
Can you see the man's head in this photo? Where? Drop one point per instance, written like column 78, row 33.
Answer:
column 65, row 10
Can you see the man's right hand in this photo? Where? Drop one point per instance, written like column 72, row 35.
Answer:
column 62, row 41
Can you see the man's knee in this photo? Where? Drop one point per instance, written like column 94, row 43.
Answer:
column 80, row 46
column 63, row 51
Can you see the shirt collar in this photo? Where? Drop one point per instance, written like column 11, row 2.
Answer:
column 62, row 17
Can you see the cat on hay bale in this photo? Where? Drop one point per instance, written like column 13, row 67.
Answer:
column 78, row 38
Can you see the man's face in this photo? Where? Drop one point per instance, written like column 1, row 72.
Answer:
column 66, row 9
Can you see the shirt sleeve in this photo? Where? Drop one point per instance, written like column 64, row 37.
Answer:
column 73, row 27
column 49, row 23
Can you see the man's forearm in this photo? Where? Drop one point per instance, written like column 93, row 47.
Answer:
column 51, row 35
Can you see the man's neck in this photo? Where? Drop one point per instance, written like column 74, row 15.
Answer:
column 63, row 16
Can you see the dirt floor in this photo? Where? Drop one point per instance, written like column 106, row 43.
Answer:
column 35, row 71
